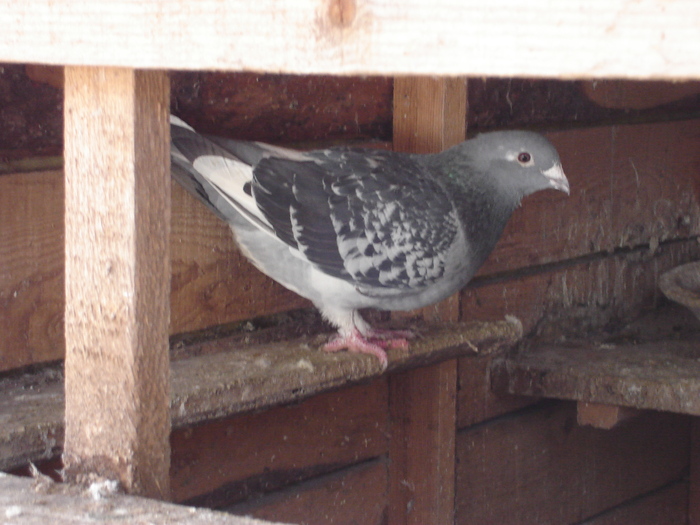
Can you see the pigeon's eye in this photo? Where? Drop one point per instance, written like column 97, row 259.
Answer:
column 524, row 157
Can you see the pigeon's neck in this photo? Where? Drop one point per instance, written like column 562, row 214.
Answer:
column 484, row 208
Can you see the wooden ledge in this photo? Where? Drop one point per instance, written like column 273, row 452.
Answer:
column 226, row 377
column 660, row 374
column 40, row 501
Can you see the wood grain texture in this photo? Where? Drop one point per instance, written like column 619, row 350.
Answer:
column 251, row 377
column 581, row 296
column 352, row 496
column 422, row 404
column 448, row 37
column 226, row 377
column 552, row 471
column 117, row 270
column 429, row 113
column 279, row 446
column 661, row 375
column 31, row 268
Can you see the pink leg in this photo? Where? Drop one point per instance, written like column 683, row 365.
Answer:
column 375, row 344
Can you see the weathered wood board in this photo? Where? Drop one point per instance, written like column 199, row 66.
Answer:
column 266, row 450
column 117, row 232
column 37, row 502
column 356, row 495
column 550, row 470
column 308, row 109
column 32, row 295
column 226, row 377
column 565, row 40
column 580, row 296
column 661, row 375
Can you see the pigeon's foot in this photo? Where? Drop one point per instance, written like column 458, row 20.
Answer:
column 375, row 344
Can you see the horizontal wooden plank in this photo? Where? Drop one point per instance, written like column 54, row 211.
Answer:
column 268, row 450
column 356, row 495
column 41, row 501
column 661, row 373
column 575, row 300
column 306, row 109
column 550, row 470
column 32, row 295
column 227, row 377
column 616, row 94
column 667, row 506
column 225, row 383
column 566, row 39
column 498, row 103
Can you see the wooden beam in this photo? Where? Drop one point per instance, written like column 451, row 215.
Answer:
column 117, row 277
column 577, row 38
column 429, row 115
column 422, row 409
column 657, row 375
column 353, row 495
column 224, row 377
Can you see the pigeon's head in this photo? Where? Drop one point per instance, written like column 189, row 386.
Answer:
column 521, row 161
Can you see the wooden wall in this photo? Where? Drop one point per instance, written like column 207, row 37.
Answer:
column 565, row 266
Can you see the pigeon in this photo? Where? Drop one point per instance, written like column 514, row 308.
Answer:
column 352, row 228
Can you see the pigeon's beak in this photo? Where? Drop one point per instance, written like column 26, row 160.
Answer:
column 557, row 179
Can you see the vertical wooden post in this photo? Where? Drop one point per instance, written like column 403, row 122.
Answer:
column 429, row 116
column 117, row 166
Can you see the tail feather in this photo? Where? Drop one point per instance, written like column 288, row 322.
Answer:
column 213, row 175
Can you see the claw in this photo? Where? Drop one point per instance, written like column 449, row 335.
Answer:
column 375, row 344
